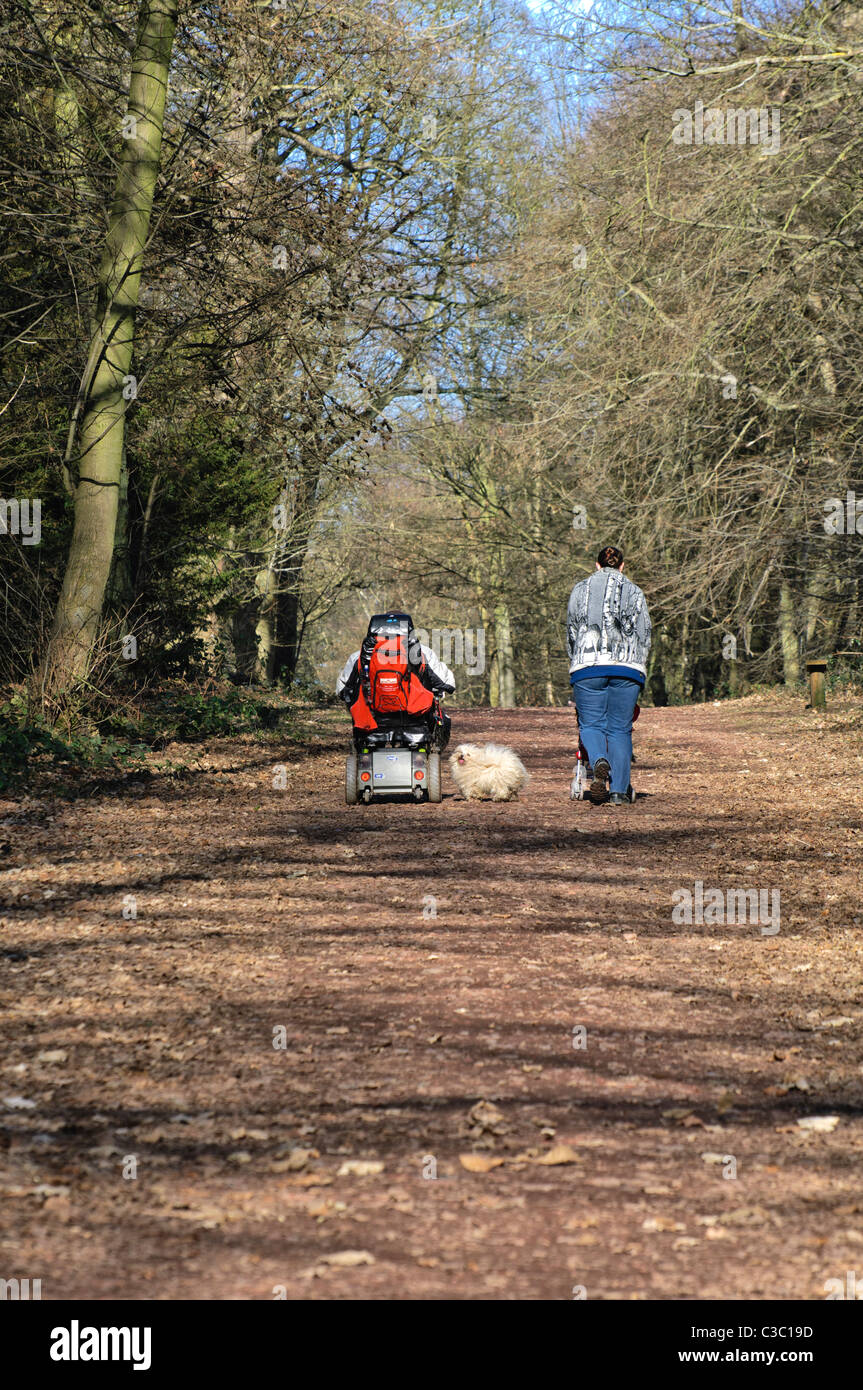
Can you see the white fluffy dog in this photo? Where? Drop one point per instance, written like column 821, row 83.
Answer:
column 488, row 771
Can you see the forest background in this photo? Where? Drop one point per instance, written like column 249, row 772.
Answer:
column 311, row 310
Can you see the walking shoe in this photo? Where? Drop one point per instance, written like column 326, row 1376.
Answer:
column 622, row 798
column 599, row 785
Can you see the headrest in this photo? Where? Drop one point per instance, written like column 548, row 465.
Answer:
column 390, row 625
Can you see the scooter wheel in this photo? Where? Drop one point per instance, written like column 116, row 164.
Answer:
column 434, row 788
column 351, row 792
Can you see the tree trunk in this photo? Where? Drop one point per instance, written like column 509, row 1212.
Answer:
column 286, row 651
column 817, row 580
column 739, row 31
column 119, row 591
column 505, row 665
column 144, row 543
column 850, row 630
column 244, row 641
column 671, row 659
column 265, row 632
column 492, row 687
column 655, row 675
column 79, row 609
column 290, row 562
column 545, row 657
column 788, row 635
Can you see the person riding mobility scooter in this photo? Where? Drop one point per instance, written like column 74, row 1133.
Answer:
column 393, row 687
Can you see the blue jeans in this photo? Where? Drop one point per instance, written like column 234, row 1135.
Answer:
column 605, row 706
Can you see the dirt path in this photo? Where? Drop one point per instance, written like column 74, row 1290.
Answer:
column 431, row 968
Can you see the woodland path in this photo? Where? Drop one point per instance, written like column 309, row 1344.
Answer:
column 412, row 1037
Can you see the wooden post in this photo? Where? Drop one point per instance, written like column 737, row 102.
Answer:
column 817, row 689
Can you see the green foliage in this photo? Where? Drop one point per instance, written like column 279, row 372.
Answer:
column 187, row 716
column 845, row 669
column 306, row 686
column 27, row 746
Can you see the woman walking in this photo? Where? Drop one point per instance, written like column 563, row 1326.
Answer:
column 608, row 639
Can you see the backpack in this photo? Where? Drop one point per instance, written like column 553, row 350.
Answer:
column 388, row 683
column 386, row 675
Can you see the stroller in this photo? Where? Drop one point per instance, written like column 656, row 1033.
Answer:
column 401, row 753
column 582, row 773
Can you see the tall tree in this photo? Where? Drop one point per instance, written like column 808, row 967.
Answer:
column 107, row 383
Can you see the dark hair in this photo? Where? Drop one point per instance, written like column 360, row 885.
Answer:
column 610, row 557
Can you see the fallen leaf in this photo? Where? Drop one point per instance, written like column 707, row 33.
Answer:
column 561, row 1153
column 797, row 1084
column 744, row 1216
column 479, row 1163
column 359, row 1168
column 295, row 1161
column 348, row 1259
column 487, row 1118
column 661, row 1223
